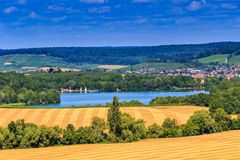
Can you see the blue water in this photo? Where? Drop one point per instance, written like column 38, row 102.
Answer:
column 92, row 99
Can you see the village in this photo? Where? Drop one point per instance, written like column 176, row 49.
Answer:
column 227, row 71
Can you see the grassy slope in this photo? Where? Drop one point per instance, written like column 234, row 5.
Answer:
column 220, row 58
column 19, row 61
column 235, row 60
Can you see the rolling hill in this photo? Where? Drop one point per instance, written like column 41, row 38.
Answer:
column 23, row 62
column 219, row 146
column 132, row 55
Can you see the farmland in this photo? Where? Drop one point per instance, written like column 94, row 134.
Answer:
column 83, row 116
column 219, row 146
column 111, row 66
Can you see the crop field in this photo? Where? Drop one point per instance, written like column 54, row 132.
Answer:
column 83, row 116
column 219, row 146
column 111, row 66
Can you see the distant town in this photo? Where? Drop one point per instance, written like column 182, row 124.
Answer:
column 226, row 71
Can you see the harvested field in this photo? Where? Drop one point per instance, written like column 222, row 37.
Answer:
column 111, row 66
column 220, row 146
column 83, row 116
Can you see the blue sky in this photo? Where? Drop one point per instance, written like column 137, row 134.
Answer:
column 39, row 23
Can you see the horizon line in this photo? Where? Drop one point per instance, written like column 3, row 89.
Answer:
column 121, row 46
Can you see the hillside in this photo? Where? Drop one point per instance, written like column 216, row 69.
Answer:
column 83, row 116
column 219, row 146
column 218, row 58
column 221, row 59
column 24, row 62
column 132, row 55
column 235, row 60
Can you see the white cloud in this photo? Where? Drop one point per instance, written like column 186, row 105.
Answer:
column 186, row 20
column 195, row 5
column 33, row 15
column 59, row 8
column 228, row 6
column 22, row 1
column 58, row 19
column 142, row 1
column 9, row 10
column 93, row 1
column 99, row 10
column 141, row 21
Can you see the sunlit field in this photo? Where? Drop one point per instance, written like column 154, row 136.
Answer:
column 83, row 116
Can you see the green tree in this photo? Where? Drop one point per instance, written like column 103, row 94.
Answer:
column 114, row 117
column 155, row 131
column 69, row 135
column 222, row 119
column 169, row 123
column 200, row 123
column 30, row 138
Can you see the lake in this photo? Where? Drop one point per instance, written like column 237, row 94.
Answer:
column 84, row 99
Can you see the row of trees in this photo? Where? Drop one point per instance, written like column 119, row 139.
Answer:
column 197, row 100
column 112, row 81
column 120, row 127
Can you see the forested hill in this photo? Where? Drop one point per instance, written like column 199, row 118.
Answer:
column 132, row 55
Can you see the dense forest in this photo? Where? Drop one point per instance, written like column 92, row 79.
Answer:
column 17, row 88
column 224, row 94
column 132, row 55
column 120, row 127
column 112, row 81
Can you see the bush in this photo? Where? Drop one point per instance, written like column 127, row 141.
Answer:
column 69, row 135
column 127, row 136
column 200, row 123
column 222, row 119
column 169, row 123
column 155, row 131
column 30, row 138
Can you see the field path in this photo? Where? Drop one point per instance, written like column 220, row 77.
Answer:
column 83, row 116
column 220, row 146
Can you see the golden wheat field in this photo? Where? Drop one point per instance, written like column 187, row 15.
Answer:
column 111, row 66
column 83, row 116
column 220, row 146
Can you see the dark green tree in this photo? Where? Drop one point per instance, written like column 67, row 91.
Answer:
column 69, row 135
column 114, row 117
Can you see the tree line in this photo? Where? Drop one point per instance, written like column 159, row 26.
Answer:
column 224, row 94
column 112, row 81
column 28, row 97
column 17, row 88
column 120, row 127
